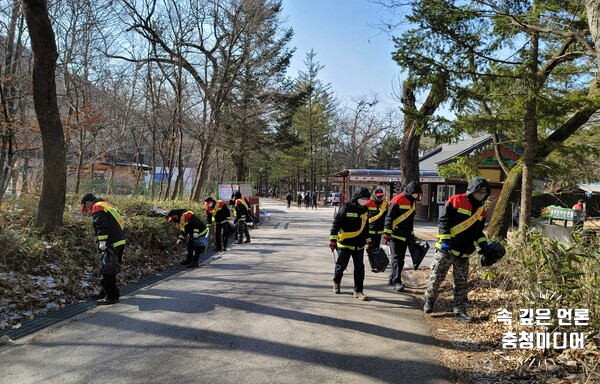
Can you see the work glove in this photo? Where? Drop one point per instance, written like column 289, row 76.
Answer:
column 179, row 241
column 196, row 235
column 102, row 245
column 332, row 245
column 369, row 247
column 386, row 238
column 411, row 238
column 445, row 246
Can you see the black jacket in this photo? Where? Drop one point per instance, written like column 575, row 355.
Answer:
column 241, row 210
column 105, row 224
column 377, row 214
column 219, row 213
column 457, row 210
column 189, row 223
column 352, row 218
column 399, row 205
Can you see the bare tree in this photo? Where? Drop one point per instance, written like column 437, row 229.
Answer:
column 360, row 127
column 10, row 98
column 215, row 34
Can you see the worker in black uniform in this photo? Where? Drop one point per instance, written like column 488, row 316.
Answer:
column 461, row 226
column 349, row 234
column 108, row 227
column 218, row 212
column 399, row 229
column 191, row 226
column 241, row 210
column 378, row 207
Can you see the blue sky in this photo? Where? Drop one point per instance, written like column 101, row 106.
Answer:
column 356, row 55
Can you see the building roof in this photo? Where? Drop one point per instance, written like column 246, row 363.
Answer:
column 445, row 153
column 144, row 167
column 428, row 163
column 369, row 172
column 591, row 187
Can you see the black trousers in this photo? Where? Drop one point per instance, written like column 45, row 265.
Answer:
column 221, row 234
column 242, row 229
column 109, row 282
column 398, row 252
column 193, row 251
column 344, row 255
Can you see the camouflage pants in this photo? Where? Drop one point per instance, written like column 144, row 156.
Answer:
column 460, row 271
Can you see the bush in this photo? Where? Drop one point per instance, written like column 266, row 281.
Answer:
column 542, row 273
column 41, row 272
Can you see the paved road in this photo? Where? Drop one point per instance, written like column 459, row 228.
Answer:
column 261, row 313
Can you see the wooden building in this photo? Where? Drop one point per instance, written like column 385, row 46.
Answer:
column 436, row 189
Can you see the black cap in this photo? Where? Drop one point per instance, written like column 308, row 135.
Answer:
column 209, row 199
column 88, row 197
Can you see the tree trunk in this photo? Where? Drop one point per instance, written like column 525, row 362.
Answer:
column 409, row 147
column 593, row 17
column 9, row 101
column 202, row 172
column 500, row 221
column 531, row 134
column 52, row 199
column 414, row 124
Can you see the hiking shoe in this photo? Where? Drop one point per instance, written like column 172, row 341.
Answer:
column 185, row 262
column 336, row 287
column 218, row 249
column 193, row 265
column 247, row 241
column 360, row 296
column 107, row 301
column 398, row 287
column 428, row 307
column 239, row 241
column 390, row 282
column 462, row 316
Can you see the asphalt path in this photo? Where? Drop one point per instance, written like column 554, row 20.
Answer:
column 262, row 312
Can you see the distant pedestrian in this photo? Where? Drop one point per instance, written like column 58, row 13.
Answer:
column 314, row 201
column 306, row 200
column 299, row 200
column 580, row 213
column 289, row 199
column 191, row 226
column 108, row 227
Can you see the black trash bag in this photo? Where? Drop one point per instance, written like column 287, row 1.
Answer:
column 417, row 250
column 109, row 261
column 378, row 259
column 231, row 229
column 494, row 252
